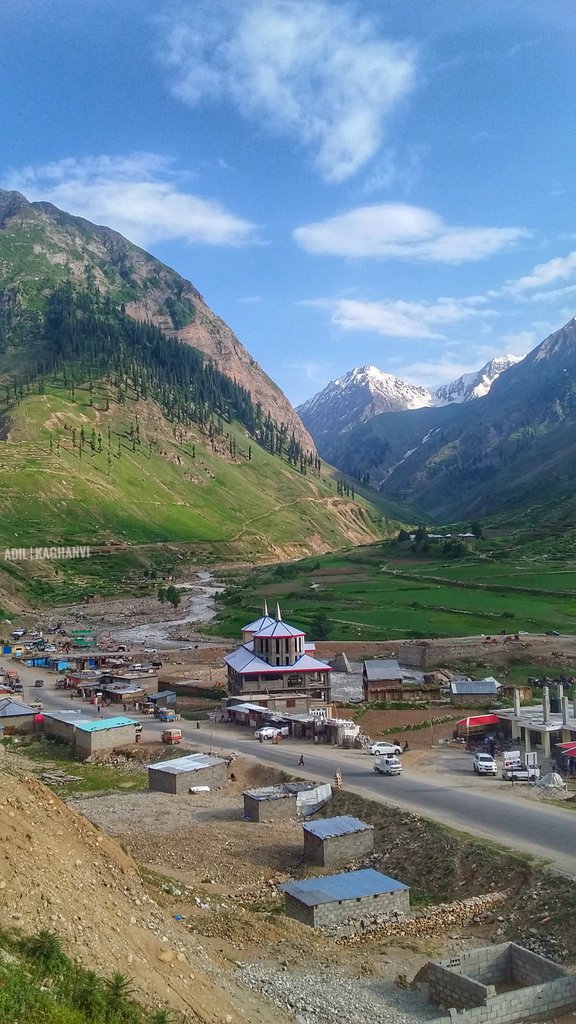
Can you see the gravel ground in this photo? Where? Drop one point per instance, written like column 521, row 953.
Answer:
column 319, row 996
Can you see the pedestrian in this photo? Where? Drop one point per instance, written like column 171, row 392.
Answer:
column 338, row 779
column 99, row 707
column 406, row 747
column 301, row 759
column 572, row 767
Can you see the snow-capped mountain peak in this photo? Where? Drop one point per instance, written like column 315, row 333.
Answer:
column 474, row 385
column 359, row 395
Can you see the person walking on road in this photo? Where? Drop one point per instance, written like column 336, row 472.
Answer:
column 301, row 759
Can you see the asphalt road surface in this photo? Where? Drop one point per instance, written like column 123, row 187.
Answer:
column 545, row 831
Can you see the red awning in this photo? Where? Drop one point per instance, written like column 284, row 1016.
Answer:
column 568, row 748
column 478, row 720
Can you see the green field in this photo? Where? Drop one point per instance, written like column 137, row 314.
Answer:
column 370, row 593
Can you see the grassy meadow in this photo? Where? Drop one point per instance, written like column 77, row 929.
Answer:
column 376, row 592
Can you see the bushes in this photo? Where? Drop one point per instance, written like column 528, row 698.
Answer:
column 38, row 982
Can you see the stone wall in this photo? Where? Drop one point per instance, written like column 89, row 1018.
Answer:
column 431, row 920
column 336, row 850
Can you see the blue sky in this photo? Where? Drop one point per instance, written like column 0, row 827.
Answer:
column 345, row 182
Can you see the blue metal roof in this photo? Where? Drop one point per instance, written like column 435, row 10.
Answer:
column 350, row 885
column 103, row 723
column 344, row 825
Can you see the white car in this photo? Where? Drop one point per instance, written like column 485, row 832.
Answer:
column 382, row 747
column 267, row 732
column 484, row 764
column 389, row 764
column 521, row 773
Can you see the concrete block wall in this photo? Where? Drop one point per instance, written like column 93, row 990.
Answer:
column 299, row 911
column 488, row 964
column 446, row 988
column 87, row 743
column 270, row 810
column 529, row 968
column 522, row 1004
column 337, row 914
column 337, row 850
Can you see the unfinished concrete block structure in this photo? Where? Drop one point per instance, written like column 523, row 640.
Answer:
column 333, row 841
column 504, row 984
column 334, row 900
column 284, row 801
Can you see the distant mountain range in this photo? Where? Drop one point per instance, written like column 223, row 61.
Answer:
column 366, row 391
column 514, row 446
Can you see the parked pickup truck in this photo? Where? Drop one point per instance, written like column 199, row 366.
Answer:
column 522, row 773
column 484, row 764
column 389, row 764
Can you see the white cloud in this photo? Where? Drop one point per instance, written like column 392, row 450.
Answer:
column 315, row 71
column 402, row 231
column 561, row 268
column 399, row 319
column 138, row 195
column 431, row 373
column 520, row 343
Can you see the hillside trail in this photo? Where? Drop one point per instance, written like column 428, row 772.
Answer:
column 61, row 873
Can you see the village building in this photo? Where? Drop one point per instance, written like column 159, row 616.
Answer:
column 183, row 774
column 116, row 680
column 382, row 680
column 88, row 736
column 465, row 693
column 17, row 717
column 284, row 801
column 537, row 727
column 335, row 841
column 275, row 660
column 333, row 900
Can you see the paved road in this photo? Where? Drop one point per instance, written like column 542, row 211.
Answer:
column 462, row 802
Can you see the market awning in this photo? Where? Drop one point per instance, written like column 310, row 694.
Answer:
column 476, row 720
column 568, row 748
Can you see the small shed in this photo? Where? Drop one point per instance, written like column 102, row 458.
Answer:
column 94, row 735
column 184, row 773
column 382, row 679
column 334, row 900
column 278, row 803
column 482, row 692
column 333, row 841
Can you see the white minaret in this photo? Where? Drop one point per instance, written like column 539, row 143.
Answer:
column 278, row 612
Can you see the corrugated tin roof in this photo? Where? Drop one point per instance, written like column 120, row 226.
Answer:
column 245, row 707
column 382, row 669
column 342, row 825
column 190, row 763
column 350, row 885
column 284, row 789
column 101, row 724
column 162, row 695
column 465, row 687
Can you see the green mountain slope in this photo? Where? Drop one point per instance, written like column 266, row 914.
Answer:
column 515, row 446
column 117, row 434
